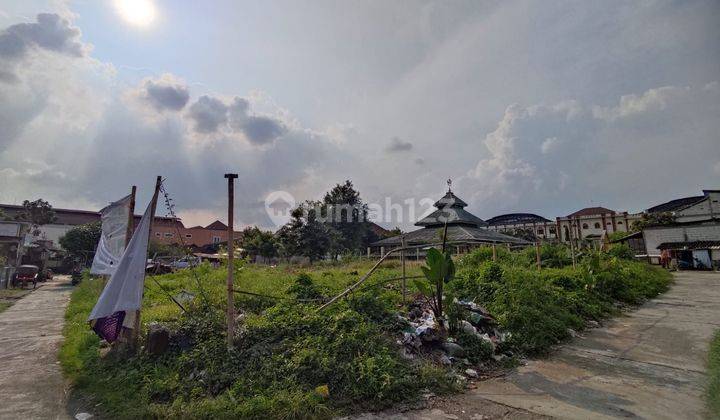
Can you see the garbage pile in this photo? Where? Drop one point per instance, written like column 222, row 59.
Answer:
column 425, row 335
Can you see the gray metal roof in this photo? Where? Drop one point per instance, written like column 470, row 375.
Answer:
column 455, row 233
column 450, row 209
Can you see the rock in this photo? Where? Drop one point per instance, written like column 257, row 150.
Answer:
column 468, row 327
column 499, row 357
column 83, row 416
column 445, row 361
column 411, row 340
column 593, row 324
column 453, row 350
column 158, row 339
column 471, row 373
column 405, row 354
column 572, row 332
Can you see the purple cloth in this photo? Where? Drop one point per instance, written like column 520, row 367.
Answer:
column 109, row 327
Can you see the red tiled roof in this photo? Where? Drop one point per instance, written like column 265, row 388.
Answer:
column 216, row 225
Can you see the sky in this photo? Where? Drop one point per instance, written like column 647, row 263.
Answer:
column 528, row 106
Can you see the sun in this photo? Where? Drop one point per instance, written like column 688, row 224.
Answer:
column 136, row 12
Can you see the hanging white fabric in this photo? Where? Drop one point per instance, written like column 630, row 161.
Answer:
column 124, row 290
column 113, row 237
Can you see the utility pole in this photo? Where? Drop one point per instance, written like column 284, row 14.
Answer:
column 231, row 248
column 402, row 258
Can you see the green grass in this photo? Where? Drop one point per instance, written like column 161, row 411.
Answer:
column 713, row 371
column 286, row 350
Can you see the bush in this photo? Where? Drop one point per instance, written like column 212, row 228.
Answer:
column 621, row 251
column 713, row 385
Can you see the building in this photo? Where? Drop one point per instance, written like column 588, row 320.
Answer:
column 464, row 230
column 166, row 230
column 591, row 223
column 693, row 238
column 691, row 209
column 512, row 223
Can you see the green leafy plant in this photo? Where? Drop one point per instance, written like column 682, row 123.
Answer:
column 438, row 271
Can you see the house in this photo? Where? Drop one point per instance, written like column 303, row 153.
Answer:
column 464, row 230
column 690, row 209
column 693, row 239
column 65, row 219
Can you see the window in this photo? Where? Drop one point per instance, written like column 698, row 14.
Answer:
column 168, row 235
column 157, row 234
column 619, row 223
column 540, row 231
column 216, row 239
column 552, row 230
column 597, row 225
column 188, row 235
column 585, row 225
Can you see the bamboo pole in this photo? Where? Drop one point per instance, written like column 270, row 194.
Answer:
column 494, row 252
column 153, row 207
column 230, row 264
column 537, row 254
column 402, row 259
column 131, row 217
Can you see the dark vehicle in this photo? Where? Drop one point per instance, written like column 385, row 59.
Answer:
column 26, row 274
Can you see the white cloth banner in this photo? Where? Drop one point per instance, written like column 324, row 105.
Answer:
column 124, row 290
column 112, row 239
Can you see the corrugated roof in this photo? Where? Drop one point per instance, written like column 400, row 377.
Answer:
column 676, row 204
column 450, row 209
column 455, row 233
column 516, row 218
column 690, row 245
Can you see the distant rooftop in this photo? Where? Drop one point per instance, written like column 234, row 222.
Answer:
column 450, row 209
column 589, row 211
column 676, row 204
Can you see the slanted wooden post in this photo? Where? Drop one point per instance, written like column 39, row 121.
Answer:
column 230, row 263
column 131, row 217
column 153, row 207
column 537, row 254
column 402, row 259
column 494, row 252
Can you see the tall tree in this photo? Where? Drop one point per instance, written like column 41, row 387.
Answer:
column 37, row 213
column 345, row 212
column 304, row 234
column 653, row 219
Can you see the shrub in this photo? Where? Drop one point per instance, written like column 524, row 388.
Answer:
column 621, row 251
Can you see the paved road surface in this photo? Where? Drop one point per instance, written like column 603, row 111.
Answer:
column 649, row 363
column 31, row 384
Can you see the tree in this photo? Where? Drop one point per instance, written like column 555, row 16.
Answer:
column 346, row 213
column 653, row 219
column 37, row 213
column 259, row 242
column 81, row 241
column 304, row 235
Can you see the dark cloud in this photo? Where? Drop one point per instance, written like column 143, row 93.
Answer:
column 419, row 161
column 208, row 114
column 50, row 32
column 398, row 145
column 257, row 129
column 166, row 94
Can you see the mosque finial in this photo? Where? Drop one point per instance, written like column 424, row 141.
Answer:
column 449, row 182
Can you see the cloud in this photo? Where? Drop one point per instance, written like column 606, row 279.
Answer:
column 209, row 114
column 166, row 93
column 398, row 145
column 257, row 129
column 585, row 153
column 50, row 32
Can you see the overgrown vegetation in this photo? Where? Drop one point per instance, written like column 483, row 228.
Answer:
column 713, row 372
column 292, row 362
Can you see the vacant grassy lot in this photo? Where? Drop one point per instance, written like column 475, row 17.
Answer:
column 291, row 362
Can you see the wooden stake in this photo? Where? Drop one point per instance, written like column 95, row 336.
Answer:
column 153, row 207
column 494, row 252
column 537, row 254
column 231, row 250
column 402, row 259
column 131, row 217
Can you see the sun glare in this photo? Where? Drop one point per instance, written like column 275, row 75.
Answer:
column 136, row 12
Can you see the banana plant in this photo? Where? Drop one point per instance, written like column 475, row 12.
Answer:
column 438, row 271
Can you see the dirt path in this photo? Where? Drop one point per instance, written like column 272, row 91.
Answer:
column 649, row 363
column 31, row 384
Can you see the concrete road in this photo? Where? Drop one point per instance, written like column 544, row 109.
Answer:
column 31, row 383
column 648, row 363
